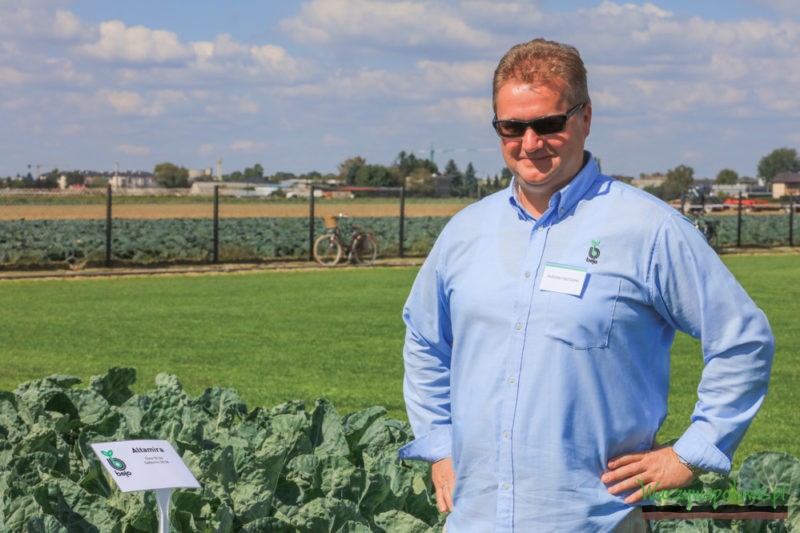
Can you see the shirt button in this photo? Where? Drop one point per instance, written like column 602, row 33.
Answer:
column 518, row 325
column 506, row 434
column 506, row 486
column 541, row 228
column 512, row 379
column 527, row 274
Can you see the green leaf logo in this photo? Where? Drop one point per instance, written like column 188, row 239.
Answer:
column 109, row 453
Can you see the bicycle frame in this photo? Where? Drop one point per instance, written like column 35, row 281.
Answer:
column 330, row 247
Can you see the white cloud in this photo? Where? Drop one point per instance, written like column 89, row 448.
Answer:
column 132, row 103
column 469, row 76
column 382, row 24
column 137, row 44
column 244, row 145
column 474, row 110
column 132, row 149
column 13, row 76
column 226, row 57
column 329, row 140
column 67, row 26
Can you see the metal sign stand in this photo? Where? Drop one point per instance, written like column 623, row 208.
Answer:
column 163, row 496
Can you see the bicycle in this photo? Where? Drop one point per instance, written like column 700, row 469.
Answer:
column 331, row 247
column 708, row 229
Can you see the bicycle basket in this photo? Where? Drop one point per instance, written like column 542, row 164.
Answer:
column 331, row 222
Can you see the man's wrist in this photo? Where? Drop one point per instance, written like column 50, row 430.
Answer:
column 696, row 470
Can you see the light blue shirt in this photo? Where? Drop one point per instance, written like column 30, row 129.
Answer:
column 532, row 391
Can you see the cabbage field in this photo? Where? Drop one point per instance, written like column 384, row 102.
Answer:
column 26, row 243
column 266, row 469
column 78, row 243
column 283, row 469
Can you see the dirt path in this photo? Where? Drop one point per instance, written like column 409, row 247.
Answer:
column 193, row 210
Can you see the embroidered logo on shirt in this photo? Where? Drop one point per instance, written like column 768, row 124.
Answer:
column 594, row 252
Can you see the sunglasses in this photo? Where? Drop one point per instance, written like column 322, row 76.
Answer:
column 514, row 129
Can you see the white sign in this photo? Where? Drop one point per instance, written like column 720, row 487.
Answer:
column 562, row 278
column 144, row 465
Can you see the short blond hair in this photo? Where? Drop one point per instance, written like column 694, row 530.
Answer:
column 543, row 62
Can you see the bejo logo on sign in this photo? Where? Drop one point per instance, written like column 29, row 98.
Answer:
column 119, row 466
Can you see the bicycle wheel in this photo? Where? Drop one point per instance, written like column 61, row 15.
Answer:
column 365, row 249
column 327, row 250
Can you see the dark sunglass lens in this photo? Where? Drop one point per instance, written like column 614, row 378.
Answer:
column 548, row 125
column 508, row 128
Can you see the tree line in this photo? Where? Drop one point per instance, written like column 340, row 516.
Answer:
column 420, row 176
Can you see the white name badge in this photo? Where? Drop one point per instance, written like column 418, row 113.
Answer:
column 144, row 465
column 564, row 279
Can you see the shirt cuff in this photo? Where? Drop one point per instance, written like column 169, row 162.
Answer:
column 695, row 449
column 432, row 447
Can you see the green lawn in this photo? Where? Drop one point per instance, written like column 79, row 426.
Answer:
column 277, row 336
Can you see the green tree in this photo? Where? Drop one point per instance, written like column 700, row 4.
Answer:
column 256, row 172
column 349, row 168
column 777, row 161
column 470, row 186
column 49, row 180
column 678, row 181
column 408, row 163
column 374, row 176
column 171, row 176
column 236, row 175
column 420, row 182
column 456, row 178
column 727, row 176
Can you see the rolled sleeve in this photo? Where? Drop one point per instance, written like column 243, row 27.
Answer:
column 427, row 353
column 706, row 301
column 432, row 447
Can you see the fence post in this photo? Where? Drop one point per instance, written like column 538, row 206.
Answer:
column 311, row 225
column 791, row 220
column 739, row 223
column 215, row 253
column 402, row 218
column 108, row 226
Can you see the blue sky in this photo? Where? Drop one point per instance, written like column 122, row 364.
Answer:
column 302, row 86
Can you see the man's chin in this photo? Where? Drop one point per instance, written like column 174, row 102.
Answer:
column 536, row 181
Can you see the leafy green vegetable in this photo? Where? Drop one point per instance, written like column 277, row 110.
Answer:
column 278, row 469
column 266, row 469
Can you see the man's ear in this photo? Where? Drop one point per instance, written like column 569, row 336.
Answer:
column 586, row 116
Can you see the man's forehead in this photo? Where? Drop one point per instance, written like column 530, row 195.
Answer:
column 518, row 86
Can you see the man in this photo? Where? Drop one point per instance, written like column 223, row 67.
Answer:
column 539, row 330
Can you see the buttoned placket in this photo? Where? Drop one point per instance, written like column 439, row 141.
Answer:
column 522, row 308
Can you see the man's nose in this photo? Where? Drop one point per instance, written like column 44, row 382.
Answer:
column 530, row 140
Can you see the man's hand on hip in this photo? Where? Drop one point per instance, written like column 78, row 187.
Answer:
column 658, row 469
column 444, row 479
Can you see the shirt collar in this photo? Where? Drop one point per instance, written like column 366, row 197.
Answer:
column 565, row 198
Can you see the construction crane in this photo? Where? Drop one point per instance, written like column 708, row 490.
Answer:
column 38, row 166
column 432, row 151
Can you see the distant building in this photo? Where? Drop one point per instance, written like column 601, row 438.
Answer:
column 200, row 174
column 132, row 181
column 786, row 184
column 653, row 180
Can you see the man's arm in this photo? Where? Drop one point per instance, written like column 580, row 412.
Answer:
column 693, row 290
column 426, row 355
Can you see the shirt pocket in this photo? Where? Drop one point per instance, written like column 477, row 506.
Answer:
column 583, row 322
